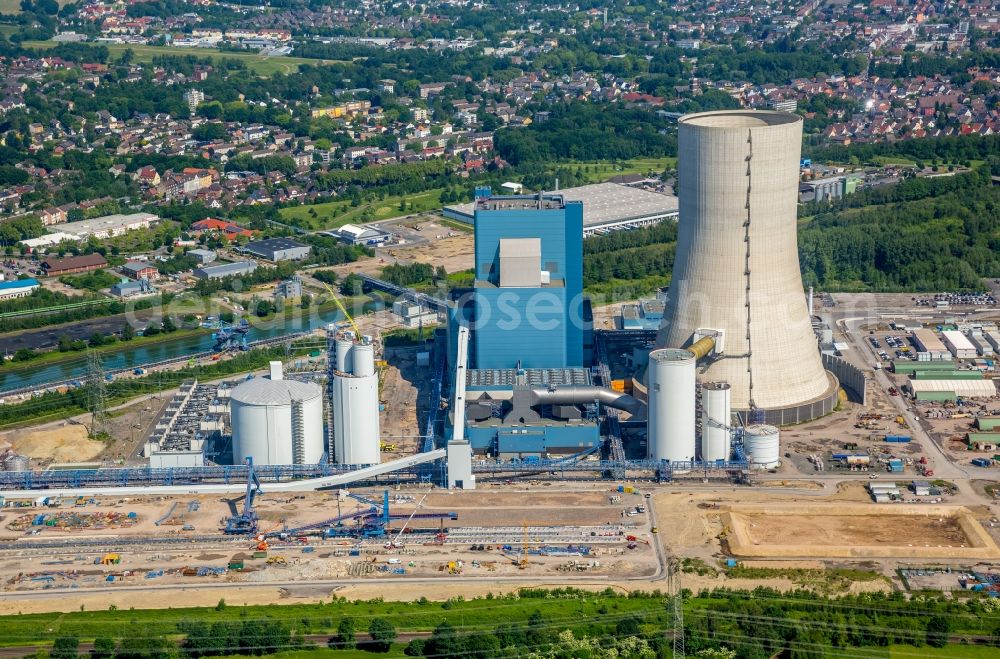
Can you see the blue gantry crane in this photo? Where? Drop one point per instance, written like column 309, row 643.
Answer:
column 231, row 336
column 245, row 523
column 372, row 522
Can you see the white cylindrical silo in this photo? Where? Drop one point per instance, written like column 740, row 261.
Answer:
column 671, row 421
column 716, row 413
column 356, row 420
column 342, row 349
column 277, row 422
column 760, row 443
column 16, row 462
column 363, row 360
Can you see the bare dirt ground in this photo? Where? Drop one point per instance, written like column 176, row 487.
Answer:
column 888, row 530
column 404, row 391
column 129, row 426
column 699, row 526
column 65, row 442
column 454, row 252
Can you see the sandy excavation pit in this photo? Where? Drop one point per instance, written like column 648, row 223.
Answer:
column 841, row 531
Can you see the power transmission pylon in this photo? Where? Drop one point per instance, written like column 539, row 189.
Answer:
column 677, row 602
column 97, row 401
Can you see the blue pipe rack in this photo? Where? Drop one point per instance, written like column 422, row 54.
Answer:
column 121, row 477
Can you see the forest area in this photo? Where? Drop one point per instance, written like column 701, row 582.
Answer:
column 923, row 236
column 918, row 235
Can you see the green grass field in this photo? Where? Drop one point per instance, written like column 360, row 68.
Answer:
column 334, row 214
column 263, row 66
column 602, row 170
column 406, row 616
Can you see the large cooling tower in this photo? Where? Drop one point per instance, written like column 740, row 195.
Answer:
column 738, row 179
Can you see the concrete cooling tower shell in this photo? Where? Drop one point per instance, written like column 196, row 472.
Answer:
column 725, row 160
column 277, row 422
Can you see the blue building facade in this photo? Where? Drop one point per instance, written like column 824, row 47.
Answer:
column 530, row 326
column 528, row 308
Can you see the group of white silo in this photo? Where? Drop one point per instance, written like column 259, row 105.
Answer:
column 354, row 399
column 279, row 421
column 672, row 421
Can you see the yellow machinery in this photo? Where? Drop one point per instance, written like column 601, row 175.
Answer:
column 387, row 448
column 277, row 560
column 702, row 347
column 343, row 310
column 111, row 559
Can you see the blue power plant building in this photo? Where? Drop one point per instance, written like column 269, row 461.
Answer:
column 528, row 385
column 529, row 282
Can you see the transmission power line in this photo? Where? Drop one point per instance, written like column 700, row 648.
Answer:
column 677, row 602
column 97, row 399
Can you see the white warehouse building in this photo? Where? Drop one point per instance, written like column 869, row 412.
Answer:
column 277, row 421
column 929, row 346
column 959, row 345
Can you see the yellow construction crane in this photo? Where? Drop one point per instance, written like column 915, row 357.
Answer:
column 343, row 310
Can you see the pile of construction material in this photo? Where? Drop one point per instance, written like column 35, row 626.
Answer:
column 74, row 521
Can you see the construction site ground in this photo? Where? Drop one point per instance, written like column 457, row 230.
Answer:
column 692, row 524
column 61, row 441
column 405, row 392
column 436, row 244
column 488, row 540
column 862, row 531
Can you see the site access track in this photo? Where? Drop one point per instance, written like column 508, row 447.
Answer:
column 333, row 584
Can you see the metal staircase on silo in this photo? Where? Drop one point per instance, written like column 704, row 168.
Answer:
column 298, row 434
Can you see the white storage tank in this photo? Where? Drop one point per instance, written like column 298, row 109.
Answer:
column 277, row 421
column 716, row 414
column 760, row 443
column 671, row 421
column 363, row 360
column 16, row 462
column 343, row 355
column 356, row 438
